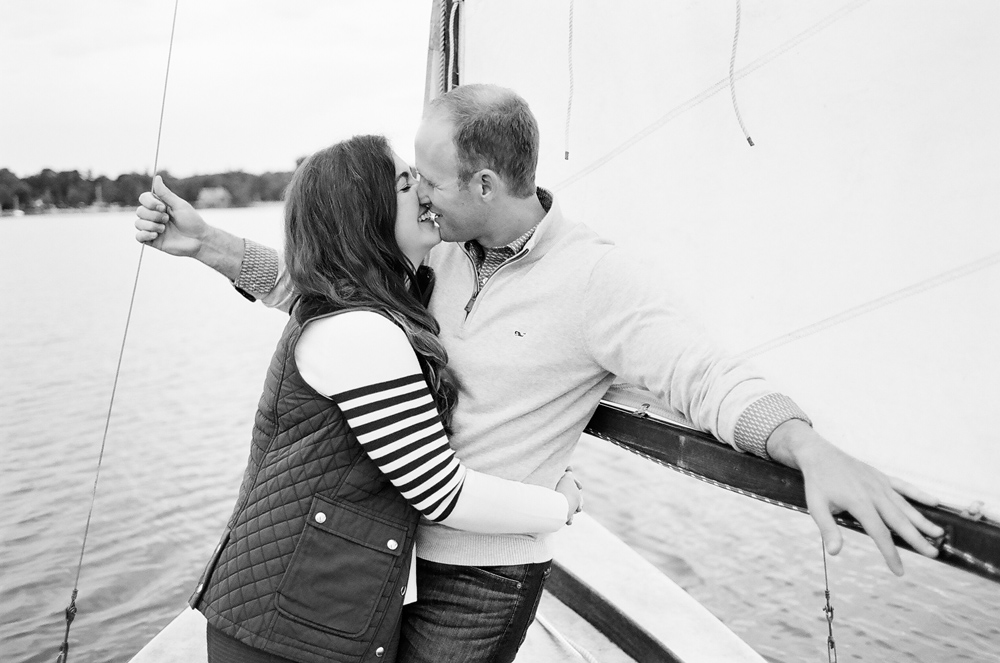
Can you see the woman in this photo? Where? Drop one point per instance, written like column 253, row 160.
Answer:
column 349, row 444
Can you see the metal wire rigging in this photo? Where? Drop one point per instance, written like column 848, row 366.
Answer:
column 71, row 610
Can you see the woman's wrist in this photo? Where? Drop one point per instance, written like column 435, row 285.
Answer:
column 222, row 251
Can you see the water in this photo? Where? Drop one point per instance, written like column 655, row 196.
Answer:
column 190, row 379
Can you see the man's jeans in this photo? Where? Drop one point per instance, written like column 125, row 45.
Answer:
column 470, row 614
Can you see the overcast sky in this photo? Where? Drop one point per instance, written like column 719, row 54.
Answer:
column 254, row 84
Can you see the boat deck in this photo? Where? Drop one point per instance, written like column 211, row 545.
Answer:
column 603, row 603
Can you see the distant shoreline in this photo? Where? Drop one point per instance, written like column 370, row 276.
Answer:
column 104, row 209
column 70, row 191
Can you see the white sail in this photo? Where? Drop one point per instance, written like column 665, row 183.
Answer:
column 853, row 251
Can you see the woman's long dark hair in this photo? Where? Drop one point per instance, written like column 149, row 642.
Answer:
column 341, row 250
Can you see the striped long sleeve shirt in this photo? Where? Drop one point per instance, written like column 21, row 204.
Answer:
column 365, row 363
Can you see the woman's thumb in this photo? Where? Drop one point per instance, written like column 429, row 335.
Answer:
column 163, row 193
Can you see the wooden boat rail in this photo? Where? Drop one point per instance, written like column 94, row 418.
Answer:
column 970, row 544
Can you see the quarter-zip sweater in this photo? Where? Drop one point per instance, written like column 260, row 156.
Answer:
column 544, row 339
column 537, row 348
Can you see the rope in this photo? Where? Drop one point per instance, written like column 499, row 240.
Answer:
column 732, row 78
column 452, row 61
column 569, row 103
column 563, row 640
column 874, row 304
column 831, row 646
column 711, row 91
column 71, row 609
column 443, row 83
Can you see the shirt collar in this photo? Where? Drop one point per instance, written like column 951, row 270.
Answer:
column 545, row 198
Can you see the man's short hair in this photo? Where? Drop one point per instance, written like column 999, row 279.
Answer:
column 495, row 129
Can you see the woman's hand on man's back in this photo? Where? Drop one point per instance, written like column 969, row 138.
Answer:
column 573, row 492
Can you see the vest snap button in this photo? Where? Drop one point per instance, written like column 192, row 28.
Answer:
column 402, row 590
column 392, row 545
column 380, row 651
column 321, row 517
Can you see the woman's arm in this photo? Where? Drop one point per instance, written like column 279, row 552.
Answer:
column 365, row 363
column 170, row 224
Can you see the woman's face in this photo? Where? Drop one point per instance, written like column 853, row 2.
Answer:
column 416, row 231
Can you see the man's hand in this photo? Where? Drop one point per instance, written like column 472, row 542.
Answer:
column 169, row 223
column 837, row 482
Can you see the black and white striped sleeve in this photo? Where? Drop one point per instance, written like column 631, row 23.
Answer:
column 398, row 425
column 365, row 363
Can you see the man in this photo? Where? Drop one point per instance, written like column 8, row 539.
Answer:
column 539, row 315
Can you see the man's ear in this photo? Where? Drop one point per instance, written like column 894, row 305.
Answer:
column 487, row 183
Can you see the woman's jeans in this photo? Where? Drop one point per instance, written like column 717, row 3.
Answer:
column 470, row 614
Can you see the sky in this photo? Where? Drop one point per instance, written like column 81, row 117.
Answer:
column 253, row 84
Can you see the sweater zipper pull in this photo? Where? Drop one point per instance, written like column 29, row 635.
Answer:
column 472, row 300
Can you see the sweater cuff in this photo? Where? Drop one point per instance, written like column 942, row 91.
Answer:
column 258, row 271
column 760, row 419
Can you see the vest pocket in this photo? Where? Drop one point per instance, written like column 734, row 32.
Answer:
column 341, row 565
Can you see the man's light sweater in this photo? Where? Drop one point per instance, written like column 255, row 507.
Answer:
column 544, row 339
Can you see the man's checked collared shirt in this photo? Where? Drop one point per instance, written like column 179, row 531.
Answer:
column 488, row 260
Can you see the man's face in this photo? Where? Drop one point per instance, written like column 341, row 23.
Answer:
column 461, row 214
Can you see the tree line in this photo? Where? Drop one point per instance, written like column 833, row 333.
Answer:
column 49, row 190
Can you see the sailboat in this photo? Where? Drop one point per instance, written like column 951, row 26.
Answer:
column 820, row 188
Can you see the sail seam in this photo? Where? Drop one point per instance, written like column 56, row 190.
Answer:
column 873, row 305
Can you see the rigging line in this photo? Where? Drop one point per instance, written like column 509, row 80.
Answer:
column 732, row 78
column 443, row 26
column 868, row 307
column 831, row 645
column 711, row 91
column 71, row 609
column 452, row 55
column 569, row 103
column 567, row 644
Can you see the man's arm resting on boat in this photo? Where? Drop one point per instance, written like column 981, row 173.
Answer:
column 167, row 222
column 641, row 336
column 639, row 333
column 365, row 363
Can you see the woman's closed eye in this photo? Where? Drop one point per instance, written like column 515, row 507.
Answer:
column 404, row 183
column 406, row 180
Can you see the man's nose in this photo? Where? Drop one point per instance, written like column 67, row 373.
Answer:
column 424, row 192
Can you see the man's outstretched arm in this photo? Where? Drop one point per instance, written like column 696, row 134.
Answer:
column 170, row 224
column 640, row 334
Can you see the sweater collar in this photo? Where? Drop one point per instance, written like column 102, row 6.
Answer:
column 553, row 217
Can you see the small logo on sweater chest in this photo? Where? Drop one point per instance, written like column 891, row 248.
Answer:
column 519, row 334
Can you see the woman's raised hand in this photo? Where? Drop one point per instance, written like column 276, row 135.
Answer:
column 169, row 223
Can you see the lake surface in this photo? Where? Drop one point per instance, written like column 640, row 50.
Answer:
column 190, row 379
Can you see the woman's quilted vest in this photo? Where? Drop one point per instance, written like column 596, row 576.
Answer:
column 314, row 561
